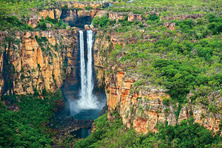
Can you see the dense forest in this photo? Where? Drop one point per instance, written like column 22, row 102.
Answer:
column 176, row 54
column 24, row 119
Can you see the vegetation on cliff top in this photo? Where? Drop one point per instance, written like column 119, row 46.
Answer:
column 182, row 58
column 12, row 23
column 168, row 7
column 24, row 8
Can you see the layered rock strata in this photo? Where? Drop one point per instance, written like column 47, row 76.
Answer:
column 40, row 60
column 142, row 108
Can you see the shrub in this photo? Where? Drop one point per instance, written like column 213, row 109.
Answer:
column 95, row 21
column 166, row 101
column 103, row 21
column 42, row 26
column 88, row 8
column 153, row 17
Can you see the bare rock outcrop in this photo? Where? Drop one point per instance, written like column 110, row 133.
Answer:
column 40, row 60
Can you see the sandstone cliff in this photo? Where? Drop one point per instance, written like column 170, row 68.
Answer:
column 76, row 15
column 33, row 61
column 38, row 60
column 43, row 59
column 143, row 108
column 70, row 12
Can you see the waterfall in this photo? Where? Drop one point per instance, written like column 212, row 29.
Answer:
column 87, row 99
column 83, row 89
column 90, row 83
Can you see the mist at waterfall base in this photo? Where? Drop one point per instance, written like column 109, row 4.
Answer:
column 88, row 106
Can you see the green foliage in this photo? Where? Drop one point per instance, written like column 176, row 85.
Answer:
column 27, row 127
column 88, row 8
column 177, row 112
column 186, row 65
column 101, row 22
column 42, row 25
column 36, row 92
column 11, row 22
column 65, row 7
column 95, row 21
column 183, row 60
column 138, row 83
column 179, row 77
column 168, row 8
column 44, row 92
column 113, row 134
column 215, row 24
column 108, row 133
column 216, row 28
column 41, row 41
column 186, row 135
column 153, row 17
column 23, row 8
column 213, row 108
column 55, row 24
column 166, row 101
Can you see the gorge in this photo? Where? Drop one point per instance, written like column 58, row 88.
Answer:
column 87, row 106
column 141, row 73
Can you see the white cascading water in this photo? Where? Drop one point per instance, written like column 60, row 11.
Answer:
column 90, row 83
column 87, row 99
column 83, row 89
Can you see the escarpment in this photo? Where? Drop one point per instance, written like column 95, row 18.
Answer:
column 37, row 60
column 144, row 107
column 79, row 14
column 33, row 61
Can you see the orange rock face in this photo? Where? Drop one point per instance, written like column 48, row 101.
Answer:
column 45, row 13
column 134, row 17
column 116, row 16
column 142, row 108
column 135, row 108
column 100, row 13
column 140, row 125
column 38, row 63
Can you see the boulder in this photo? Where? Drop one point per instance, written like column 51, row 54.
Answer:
column 86, row 27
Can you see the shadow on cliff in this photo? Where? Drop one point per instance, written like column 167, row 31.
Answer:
column 8, row 69
column 71, row 17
